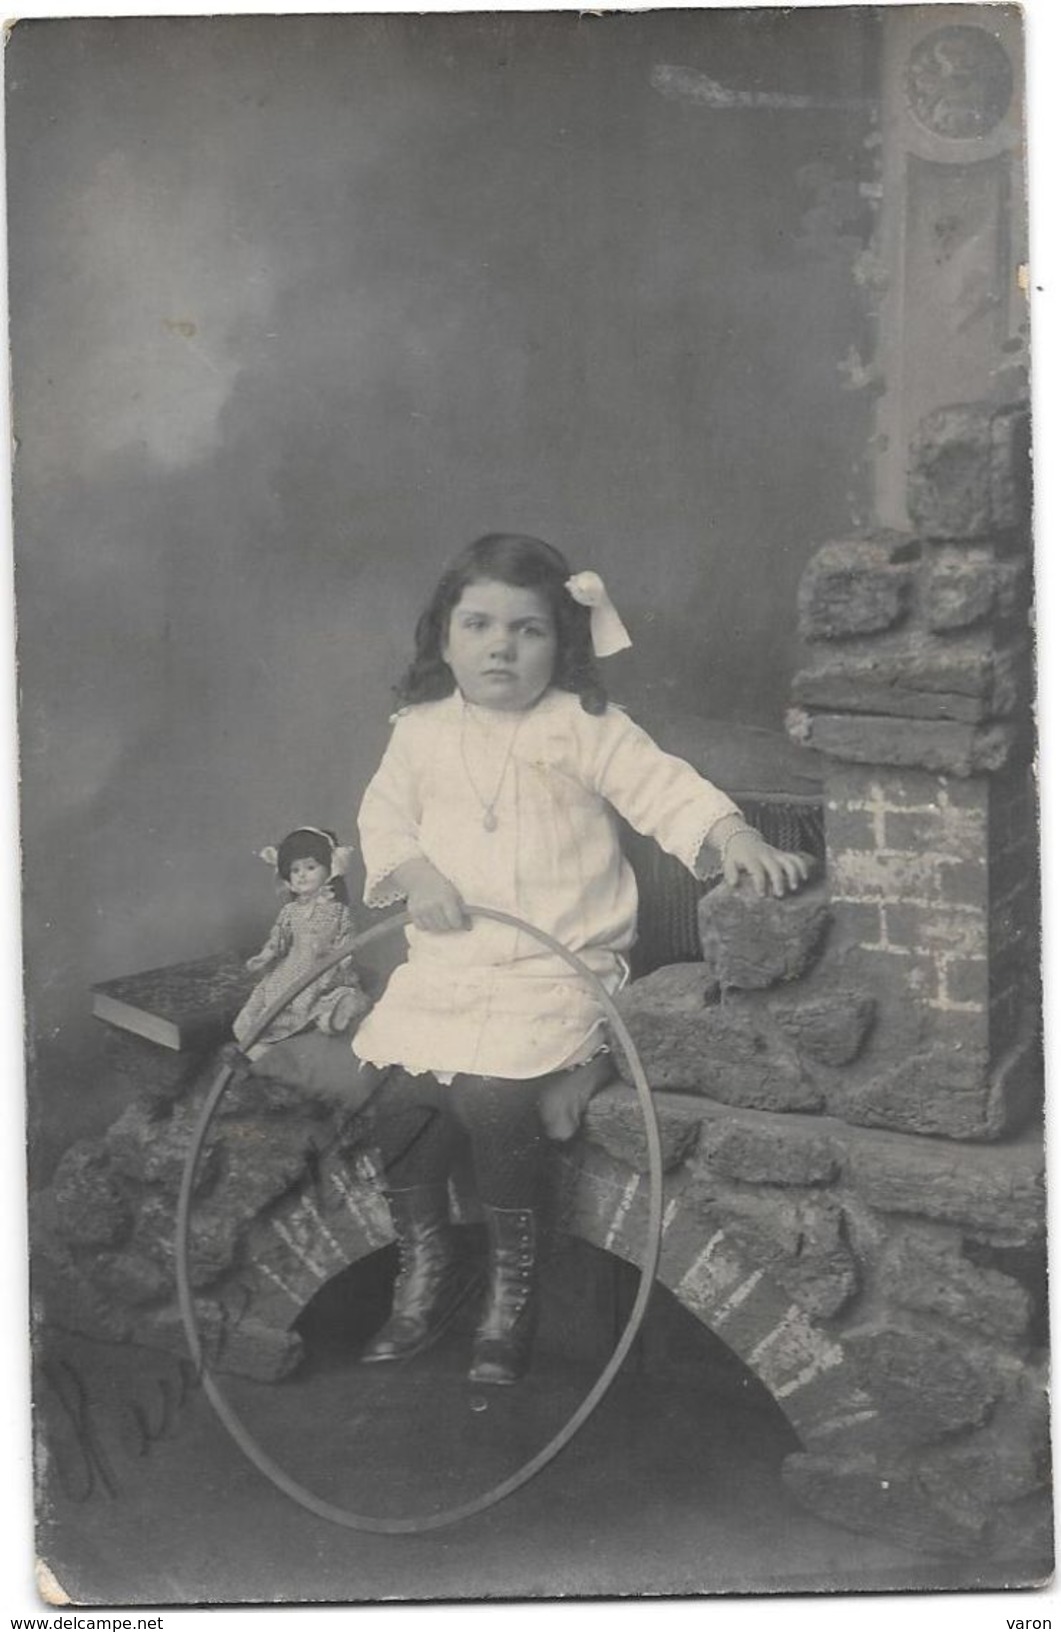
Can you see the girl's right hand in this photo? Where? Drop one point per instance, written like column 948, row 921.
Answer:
column 434, row 903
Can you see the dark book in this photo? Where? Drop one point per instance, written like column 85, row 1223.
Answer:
column 184, row 1006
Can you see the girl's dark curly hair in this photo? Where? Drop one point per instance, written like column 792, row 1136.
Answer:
column 306, row 844
column 525, row 563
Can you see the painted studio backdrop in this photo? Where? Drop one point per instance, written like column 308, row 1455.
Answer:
column 300, row 310
column 729, row 306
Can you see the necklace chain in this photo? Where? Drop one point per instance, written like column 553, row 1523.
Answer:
column 488, row 806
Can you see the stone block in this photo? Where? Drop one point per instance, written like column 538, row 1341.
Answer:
column 970, row 472
column 213, row 1239
column 909, row 662
column 130, row 1277
column 917, row 677
column 153, row 1149
column 761, row 1153
column 801, row 1241
column 996, row 1193
column 936, row 1092
column 262, row 1162
column 865, row 693
column 213, row 1246
column 676, row 990
column 683, row 1040
column 1013, row 590
column 1011, row 680
column 926, row 1272
column 872, row 1497
column 855, row 588
column 614, row 1121
column 926, row 1384
column 724, row 1052
column 1011, row 468
column 949, row 485
column 91, row 1208
column 965, row 587
column 947, row 746
column 828, row 1030
column 953, row 1091
column 1009, row 1459
column 769, row 1085
column 64, row 1296
column 989, row 1467
column 959, row 590
column 751, row 941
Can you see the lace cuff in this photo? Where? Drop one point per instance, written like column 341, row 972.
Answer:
column 380, row 888
column 716, row 835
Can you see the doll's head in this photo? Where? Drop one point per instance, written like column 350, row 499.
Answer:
column 310, row 859
column 522, row 563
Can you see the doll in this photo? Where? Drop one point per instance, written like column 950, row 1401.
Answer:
column 315, row 918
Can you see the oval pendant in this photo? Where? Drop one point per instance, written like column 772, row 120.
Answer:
column 490, row 821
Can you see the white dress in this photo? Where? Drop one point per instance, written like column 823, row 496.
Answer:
column 492, row 1000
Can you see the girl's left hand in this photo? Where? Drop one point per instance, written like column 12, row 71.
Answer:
column 773, row 872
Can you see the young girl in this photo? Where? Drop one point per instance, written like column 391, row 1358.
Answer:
column 315, row 918
column 499, row 787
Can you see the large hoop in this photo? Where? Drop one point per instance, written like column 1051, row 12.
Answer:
column 242, row 1436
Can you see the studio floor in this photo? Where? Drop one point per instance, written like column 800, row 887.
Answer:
column 672, row 1487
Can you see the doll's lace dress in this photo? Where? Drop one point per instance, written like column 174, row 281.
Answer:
column 304, row 932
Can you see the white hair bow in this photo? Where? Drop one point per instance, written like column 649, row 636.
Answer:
column 606, row 628
column 341, row 859
column 341, row 853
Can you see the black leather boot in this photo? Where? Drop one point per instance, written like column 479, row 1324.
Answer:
column 429, row 1288
column 506, row 1329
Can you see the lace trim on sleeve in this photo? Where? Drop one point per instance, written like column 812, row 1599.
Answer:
column 714, row 833
column 380, row 890
column 709, row 829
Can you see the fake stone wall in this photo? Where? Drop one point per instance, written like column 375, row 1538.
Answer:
column 886, row 1287
column 870, row 1048
column 918, row 694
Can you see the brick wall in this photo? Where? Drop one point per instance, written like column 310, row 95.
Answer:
column 909, row 884
column 917, row 691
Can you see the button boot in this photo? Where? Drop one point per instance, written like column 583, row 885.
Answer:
column 506, row 1330
column 429, row 1288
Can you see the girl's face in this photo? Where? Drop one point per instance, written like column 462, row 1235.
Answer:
column 306, row 877
column 501, row 645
